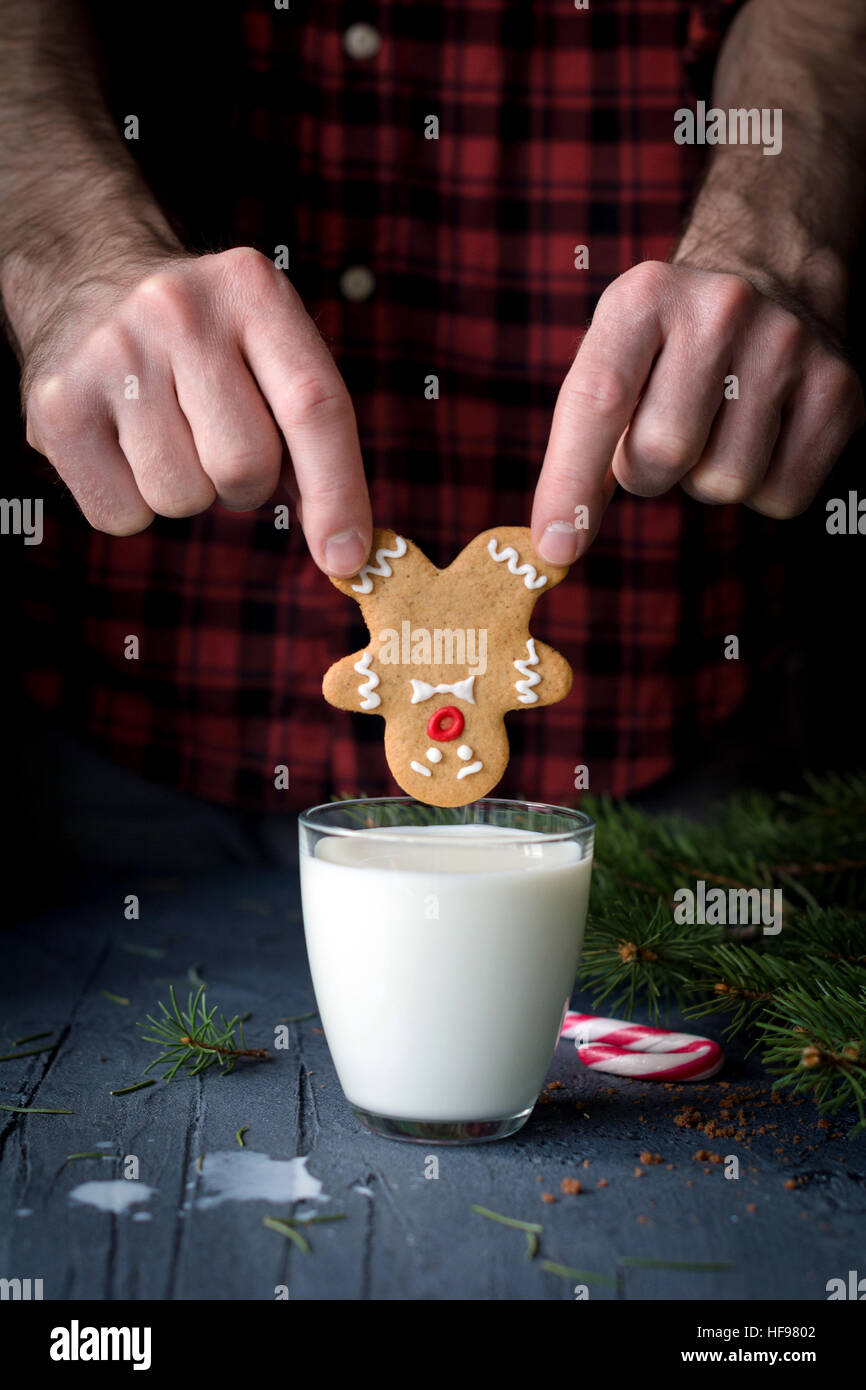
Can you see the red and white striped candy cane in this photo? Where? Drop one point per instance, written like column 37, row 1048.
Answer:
column 632, row 1049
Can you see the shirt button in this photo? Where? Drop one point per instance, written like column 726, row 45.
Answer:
column 362, row 41
column 357, row 283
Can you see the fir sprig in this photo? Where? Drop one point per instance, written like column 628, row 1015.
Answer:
column 815, row 1041
column 192, row 1040
column 829, row 934
column 801, row 993
column 741, row 982
column 635, row 953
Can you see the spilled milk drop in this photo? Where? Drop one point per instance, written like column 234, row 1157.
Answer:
column 117, row 1195
column 247, row 1176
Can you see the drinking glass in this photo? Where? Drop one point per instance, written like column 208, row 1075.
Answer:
column 443, row 945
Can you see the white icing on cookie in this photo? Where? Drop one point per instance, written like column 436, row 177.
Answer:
column 367, row 687
column 434, row 755
column 464, row 752
column 381, row 566
column 531, row 577
column 524, row 688
column 471, row 767
column 464, row 690
column 419, row 767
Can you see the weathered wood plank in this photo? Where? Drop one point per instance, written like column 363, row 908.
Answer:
column 405, row 1236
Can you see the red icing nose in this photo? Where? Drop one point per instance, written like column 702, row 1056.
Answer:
column 445, row 724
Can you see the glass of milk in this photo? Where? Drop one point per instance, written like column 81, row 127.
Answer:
column 443, row 945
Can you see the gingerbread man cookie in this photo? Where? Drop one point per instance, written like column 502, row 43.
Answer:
column 449, row 654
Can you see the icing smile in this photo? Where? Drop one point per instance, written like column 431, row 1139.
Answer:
column 464, row 753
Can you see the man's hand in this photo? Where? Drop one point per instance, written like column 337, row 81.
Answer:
column 184, row 388
column 757, row 289
column 154, row 381
column 644, row 404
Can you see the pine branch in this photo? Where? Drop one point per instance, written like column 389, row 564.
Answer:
column 742, row 982
column 830, row 935
column 630, row 954
column 815, row 1040
column 811, row 976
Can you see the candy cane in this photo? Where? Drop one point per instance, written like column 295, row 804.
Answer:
column 632, row 1049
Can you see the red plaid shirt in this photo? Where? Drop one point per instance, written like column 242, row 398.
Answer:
column 555, row 129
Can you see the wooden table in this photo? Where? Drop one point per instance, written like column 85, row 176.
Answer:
column 406, row 1235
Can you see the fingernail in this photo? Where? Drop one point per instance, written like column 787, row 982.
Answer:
column 345, row 553
column 559, row 543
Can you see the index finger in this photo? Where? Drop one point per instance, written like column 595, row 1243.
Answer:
column 311, row 405
column 595, row 403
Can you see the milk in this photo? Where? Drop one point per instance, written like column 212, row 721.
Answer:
column 443, row 959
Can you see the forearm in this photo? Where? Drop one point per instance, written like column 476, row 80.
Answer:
column 73, row 204
column 790, row 222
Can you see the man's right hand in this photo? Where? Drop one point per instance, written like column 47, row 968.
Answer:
column 193, row 385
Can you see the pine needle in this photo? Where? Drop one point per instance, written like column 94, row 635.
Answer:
column 285, row 1228
column 28, row 1052
column 34, row 1110
column 583, row 1276
column 530, row 1226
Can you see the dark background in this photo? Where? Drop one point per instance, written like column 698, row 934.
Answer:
column 805, row 712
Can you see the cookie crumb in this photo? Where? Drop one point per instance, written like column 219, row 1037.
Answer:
column 571, row 1186
column 548, row 1197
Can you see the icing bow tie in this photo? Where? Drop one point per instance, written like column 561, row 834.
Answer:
column 462, row 689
